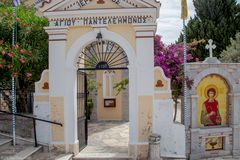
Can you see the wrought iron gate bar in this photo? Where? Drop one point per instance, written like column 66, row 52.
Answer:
column 115, row 57
column 88, row 61
column 99, row 52
column 110, row 63
column 82, row 108
column 106, row 52
column 92, row 54
column 102, row 55
column 110, row 52
column 88, row 65
column 94, row 51
column 88, row 56
column 118, row 64
column 102, row 51
column 112, row 68
column 113, row 54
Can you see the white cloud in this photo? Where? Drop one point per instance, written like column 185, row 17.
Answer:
column 169, row 23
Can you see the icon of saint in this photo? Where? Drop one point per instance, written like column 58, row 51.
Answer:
column 210, row 115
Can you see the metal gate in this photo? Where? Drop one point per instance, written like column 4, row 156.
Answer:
column 82, row 109
column 99, row 55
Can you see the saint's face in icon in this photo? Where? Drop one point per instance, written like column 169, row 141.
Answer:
column 210, row 115
column 211, row 94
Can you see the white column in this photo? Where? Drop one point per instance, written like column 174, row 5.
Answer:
column 145, row 60
column 70, row 108
column 133, row 106
column 145, row 70
column 57, row 76
column 57, row 48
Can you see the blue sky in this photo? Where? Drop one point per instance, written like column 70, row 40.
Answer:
column 169, row 23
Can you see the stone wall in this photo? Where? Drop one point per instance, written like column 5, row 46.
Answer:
column 24, row 127
column 5, row 100
column 172, row 134
column 196, row 136
column 125, row 99
column 231, row 70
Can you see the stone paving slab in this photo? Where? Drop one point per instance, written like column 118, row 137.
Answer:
column 22, row 155
column 10, row 150
column 108, row 134
column 223, row 158
column 4, row 141
column 106, row 139
column 50, row 155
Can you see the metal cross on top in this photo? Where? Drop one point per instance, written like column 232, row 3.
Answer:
column 211, row 46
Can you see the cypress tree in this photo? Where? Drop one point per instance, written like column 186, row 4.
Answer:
column 214, row 19
column 232, row 53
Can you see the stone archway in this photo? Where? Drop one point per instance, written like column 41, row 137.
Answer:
column 71, row 28
column 97, row 58
column 71, row 63
column 62, row 72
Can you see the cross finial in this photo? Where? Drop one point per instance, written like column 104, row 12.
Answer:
column 211, row 46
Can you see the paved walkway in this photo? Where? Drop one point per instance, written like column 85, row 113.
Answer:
column 223, row 158
column 107, row 139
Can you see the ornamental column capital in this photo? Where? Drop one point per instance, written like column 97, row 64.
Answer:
column 57, row 33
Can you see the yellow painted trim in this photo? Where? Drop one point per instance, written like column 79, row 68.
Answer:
column 57, row 114
column 104, row 113
column 41, row 98
column 162, row 96
column 145, row 104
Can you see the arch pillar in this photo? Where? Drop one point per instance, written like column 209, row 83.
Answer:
column 57, row 47
column 144, row 85
column 71, row 60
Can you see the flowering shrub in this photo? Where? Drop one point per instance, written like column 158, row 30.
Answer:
column 170, row 58
column 29, row 58
column 13, row 59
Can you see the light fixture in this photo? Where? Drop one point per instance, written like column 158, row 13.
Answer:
column 99, row 37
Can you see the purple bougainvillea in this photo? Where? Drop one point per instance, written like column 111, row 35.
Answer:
column 170, row 58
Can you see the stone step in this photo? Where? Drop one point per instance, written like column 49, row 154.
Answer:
column 172, row 157
column 4, row 142
column 64, row 157
column 101, row 156
column 24, row 154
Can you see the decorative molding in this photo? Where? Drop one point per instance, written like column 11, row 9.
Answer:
column 159, row 84
column 50, row 5
column 100, row 20
column 45, row 86
column 219, row 71
column 145, row 37
column 100, row 1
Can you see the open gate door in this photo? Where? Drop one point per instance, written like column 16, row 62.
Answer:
column 82, row 109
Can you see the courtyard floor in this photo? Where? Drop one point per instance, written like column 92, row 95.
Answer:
column 107, row 139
